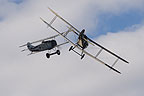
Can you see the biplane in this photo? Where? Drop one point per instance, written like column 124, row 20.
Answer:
column 46, row 44
column 82, row 42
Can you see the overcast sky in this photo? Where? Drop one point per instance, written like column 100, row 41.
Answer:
column 116, row 24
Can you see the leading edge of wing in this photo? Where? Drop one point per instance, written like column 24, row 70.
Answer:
column 81, row 49
column 64, row 20
column 113, row 68
column 88, row 38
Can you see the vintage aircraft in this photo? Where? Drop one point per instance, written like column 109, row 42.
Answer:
column 45, row 44
column 82, row 42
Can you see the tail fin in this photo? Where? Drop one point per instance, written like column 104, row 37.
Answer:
column 29, row 46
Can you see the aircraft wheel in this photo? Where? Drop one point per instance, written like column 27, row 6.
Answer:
column 58, row 52
column 71, row 48
column 47, row 55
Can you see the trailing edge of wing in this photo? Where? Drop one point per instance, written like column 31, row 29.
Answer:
column 87, row 38
column 100, row 61
column 40, row 40
column 113, row 68
column 82, row 50
column 62, row 44
column 108, row 51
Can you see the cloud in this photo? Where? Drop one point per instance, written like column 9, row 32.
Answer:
column 117, row 6
column 8, row 8
column 67, row 75
column 129, row 44
column 16, row 1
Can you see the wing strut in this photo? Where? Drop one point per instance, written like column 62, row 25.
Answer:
column 80, row 48
column 87, row 37
column 63, row 20
column 108, row 51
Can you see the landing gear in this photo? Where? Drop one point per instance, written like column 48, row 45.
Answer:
column 82, row 56
column 47, row 55
column 57, row 52
column 70, row 48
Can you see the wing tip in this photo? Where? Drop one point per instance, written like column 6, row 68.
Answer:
column 41, row 18
column 113, row 69
column 123, row 60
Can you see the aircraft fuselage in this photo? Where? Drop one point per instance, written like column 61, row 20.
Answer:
column 45, row 45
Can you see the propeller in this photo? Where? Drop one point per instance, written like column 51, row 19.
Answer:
column 70, row 28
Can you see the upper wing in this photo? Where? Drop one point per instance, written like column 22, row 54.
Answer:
column 42, row 39
column 76, row 31
column 81, row 49
column 108, row 51
column 65, row 21
column 62, row 44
